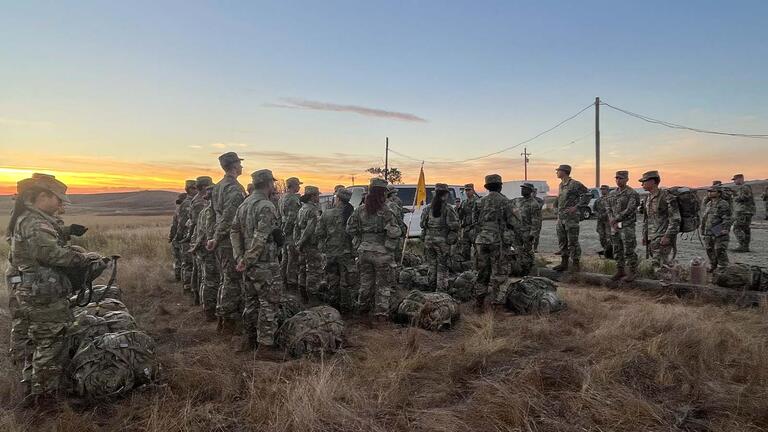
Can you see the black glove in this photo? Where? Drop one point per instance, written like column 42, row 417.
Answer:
column 77, row 230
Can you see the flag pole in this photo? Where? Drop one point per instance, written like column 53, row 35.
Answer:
column 410, row 221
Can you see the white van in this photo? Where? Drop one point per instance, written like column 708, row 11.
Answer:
column 407, row 193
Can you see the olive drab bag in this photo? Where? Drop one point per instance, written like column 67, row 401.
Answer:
column 113, row 364
column 415, row 277
column 318, row 330
column 428, row 310
column 690, row 207
column 742, row 276
column 463, row 287
column 532, row 295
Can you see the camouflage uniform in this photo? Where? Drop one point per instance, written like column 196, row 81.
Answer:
column 765, row 202
column 182, row 239
column 496, row 226
column 602, row 226
column 289, row 206
column 395, row 204
column 466, row 212
column 530, row 220
column 662, row 219
column 623, row 210
column 336, row 246
column 195, row 208
column 226, row 197
column 42, row 291
column 572, row 195
column 254, row 243
column 541, row 221
column 439, row 234
column 715, row 227
column 310, row 260
column 743, row 210
column 208, row 268
column 375, row 236
column 172, row 238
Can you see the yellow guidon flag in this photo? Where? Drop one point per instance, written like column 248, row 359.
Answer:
column 421, row 190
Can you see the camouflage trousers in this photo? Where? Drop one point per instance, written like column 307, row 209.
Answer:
column 741, row 228
column 568, row 239
column 492, row 270
column 661, row 256
column 210, row 279
column 526, row 256
column 47, row 323
column 289, row 265
column 342, row 278
column 376, row 270
column 624, row 244
column 536, row 239
column 229, row 303
column 310, row 269
column 262, row 291
column 187, row 266
column 21, row 346
column 437, row 255
column 717, row 250
column 604, row 234
column 176, row 260
column 464, row 246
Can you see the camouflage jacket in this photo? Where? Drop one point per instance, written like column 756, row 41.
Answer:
column 765, row 195
column 496, row 220
column 529, row 211
column 394, row 199
column 289, row 206
column 398, row 212
column 378, row 232
column 466, row 211
column 206, row 222
column 662, row 216
column 717, row 218
column 304, row 228
column 226, row 197
column 252, row 231
column 331, row 233
column 182, row 223
column 623, row 205
column 195, row 207
column 444, row 228
column 601, row 209
column 743, row 199
column 174, row 225
column 572, row 194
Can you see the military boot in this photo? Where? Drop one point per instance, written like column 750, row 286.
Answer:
column 631, row 275
column 619, row 274
column 563, row 266
column 575, row 266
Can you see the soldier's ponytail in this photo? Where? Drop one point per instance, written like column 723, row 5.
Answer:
column 19, row 207
column 437, row 203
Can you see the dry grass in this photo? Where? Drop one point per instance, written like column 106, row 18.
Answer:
column 613, row 361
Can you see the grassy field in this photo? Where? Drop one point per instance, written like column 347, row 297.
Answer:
column 613, row 361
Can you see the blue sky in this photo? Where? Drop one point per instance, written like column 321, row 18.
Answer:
column 175, row 83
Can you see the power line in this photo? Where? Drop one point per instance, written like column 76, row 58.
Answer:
column 679, row 126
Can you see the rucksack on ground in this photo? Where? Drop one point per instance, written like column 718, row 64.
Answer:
column 531, row 295
column 415, row 277
column 428, row 310
column 113, row 364
column 690, row 207
column 318, row 330
column 288, row 307
column 463, row 287
column 742, row 276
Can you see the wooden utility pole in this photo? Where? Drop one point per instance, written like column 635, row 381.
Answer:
column 525, row 155
column 597, row 142
column 386, row 161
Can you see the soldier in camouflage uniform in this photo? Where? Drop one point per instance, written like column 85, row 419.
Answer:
column 288, row 208
column 172, row 238
column 310, row 260
column 765, row 202
column 661, row 222
column 375, row 234
column 41, row 287
column 622, row 216
column 466, row 212
column 715, row 227
column 571, row 196
column 195, row 207
column 439, row 231
column 226, row 197
column 743, row 210
column 256, row 238
column 497, row 225
column 602, row 227
column 538, row 232
column 182, row 237
column 527, row 208
column 336, row 246
column 396, row 205
column 208, row 267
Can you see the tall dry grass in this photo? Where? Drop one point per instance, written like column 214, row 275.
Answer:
column 613, row 361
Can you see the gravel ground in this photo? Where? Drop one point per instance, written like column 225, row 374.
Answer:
column 688, row 246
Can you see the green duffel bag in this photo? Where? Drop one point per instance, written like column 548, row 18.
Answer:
column 318, row 330
column 428, row 310
column 532, row 295
column 742, row 276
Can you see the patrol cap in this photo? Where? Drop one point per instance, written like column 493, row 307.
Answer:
column 622, row 174
column 527, row 186
column 715, row 188
column 492, row 178
column 228, row 159
column 262, row 176
column 649, row 175
column 566, row 168
column 203, row 182
column 469, row 186
column 716, row 182
column 24, row 185
column 441, row 187
column 311, row 190
column 606, row 187
column 737, row 176
column 377, row 182
column 344, row 194
column 54, row 186
column 292, row 181
column 337, row 187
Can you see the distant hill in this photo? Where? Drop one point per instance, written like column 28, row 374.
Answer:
column 150, row 202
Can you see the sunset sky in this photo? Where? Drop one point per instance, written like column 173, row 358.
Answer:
column 113, row 96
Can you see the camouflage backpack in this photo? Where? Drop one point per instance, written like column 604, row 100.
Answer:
column 102, row 292
column 532, row 294
column 414, row 277
column 742, row 276
column 113, row 364
column 428, row 310
column 463, row 287
column 690, row 207
column 410, row 259
column 318, row 330
column 287, row 308
column 88, row 327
